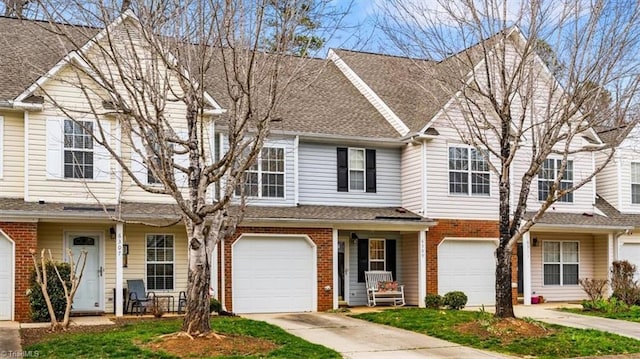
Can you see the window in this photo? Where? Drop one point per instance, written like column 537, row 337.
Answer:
column 155, row 147
column 78, row 149
column 376, row 254
column 468, row 172
column 548, row 174
column 266, row 177
column 160, row 261
column 635, row 182
column 561, row 262
column 356, row 170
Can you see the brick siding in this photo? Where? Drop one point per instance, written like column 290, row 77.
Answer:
column 462, row 229
column 25, row 236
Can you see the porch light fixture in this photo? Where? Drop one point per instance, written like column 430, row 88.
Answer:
column 354, row 237
column 535, row 241
column 112, row 233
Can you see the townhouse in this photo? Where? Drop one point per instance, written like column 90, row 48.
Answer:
column 363, row 173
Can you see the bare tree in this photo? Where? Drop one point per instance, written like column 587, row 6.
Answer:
column 160, row 82
column 70, row 286
column 15, row 8
column 517, row 112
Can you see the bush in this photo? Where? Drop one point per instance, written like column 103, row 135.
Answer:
column 214, row 305
column 39, row 311
column 433, row 301
column 622, row 283
column 593, row 287
column 612, row 305
column 455, row 300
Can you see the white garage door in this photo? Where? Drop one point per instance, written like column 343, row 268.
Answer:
column 468, row 266
column 273, row 274
column 6, row 275
column 631, row 252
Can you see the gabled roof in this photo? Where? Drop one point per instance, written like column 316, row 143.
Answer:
column 29, row 49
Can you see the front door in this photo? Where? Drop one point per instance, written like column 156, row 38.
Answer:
column 88, row 296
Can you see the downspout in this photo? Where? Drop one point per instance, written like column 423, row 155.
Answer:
column 423, row 177
column 26, row 157
column 223, row 300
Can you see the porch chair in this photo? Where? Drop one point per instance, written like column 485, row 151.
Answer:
column 139, row 298
column 182, row 301
column 381, row 288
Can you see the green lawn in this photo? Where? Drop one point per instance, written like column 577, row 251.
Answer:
column 121, row 342
column 562, row 342
column 632, row 314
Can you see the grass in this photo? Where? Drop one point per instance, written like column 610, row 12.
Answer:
column 121, row 342
column 563, row 342
column 632, row 314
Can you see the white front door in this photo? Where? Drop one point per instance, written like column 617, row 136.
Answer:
column 88, row 297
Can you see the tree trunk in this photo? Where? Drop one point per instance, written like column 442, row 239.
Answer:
column 196, row 319
column 504, row 297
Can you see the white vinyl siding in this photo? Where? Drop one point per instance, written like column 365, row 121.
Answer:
column 12, row 155
column 635, row 182
column 318, row 178
column 412, row 176
column 607, row 180
column 1, row 147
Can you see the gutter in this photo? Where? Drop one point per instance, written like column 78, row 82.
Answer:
column 19, row 105
column 418, row 136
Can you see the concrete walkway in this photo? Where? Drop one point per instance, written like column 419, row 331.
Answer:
column 10, row 340
column 547, row 313
column 355, row 339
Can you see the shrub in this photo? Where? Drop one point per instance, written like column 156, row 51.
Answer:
column 214, row 305
column 612, row 305
column 622, row 283
column 157, row 307
column 455, row 300
column 433, row 301
column 39, row 311
column 593, row 287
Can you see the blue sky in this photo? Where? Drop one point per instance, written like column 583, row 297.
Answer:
column 358, row 29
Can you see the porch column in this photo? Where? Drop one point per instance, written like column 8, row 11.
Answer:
column 526, row 267
column 422, row 268
column 335, row 269
column 612, row 255
column 118, row 300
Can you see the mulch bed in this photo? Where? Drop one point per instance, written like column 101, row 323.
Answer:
column 506, row 330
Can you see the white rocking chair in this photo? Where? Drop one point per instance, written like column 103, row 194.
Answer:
column 382, row 289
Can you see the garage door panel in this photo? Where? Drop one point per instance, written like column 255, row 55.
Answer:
column 468, row 266
column 272, row 274
column 6, row 282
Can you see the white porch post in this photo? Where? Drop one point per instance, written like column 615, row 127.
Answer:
column 422, row 268
column 612, row 255
column 118, row 300
column 526, row 267
column 335, row 269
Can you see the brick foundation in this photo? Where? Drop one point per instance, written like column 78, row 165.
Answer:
column 323, row 238
column 25, row 236
column 461, row 228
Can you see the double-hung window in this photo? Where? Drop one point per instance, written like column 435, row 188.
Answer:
column 468, row 172
column 266, row 177
column 561, row 261
column 356, row 169
column 160, row 260
column 376, row 254
column 78, row 149
column 635, row 182
column 549, row 173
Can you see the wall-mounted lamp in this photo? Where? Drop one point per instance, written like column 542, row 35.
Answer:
column 535, row 241
column 112, row 233
column 354, row 237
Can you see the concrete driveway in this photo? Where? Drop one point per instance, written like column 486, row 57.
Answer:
column 354, row 338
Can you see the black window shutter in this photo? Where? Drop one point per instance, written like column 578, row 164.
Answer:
column 371, row 170
column 390, row 255
column 363, row 258
column 343, row 170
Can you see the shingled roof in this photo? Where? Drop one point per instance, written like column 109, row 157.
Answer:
column 28, row 49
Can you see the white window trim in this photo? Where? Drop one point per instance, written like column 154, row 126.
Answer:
column 363, row 170
column 630, row 181
column 260, row 172
column 469, row 173
column 384, row 253
column 557, row 164
column 73, row 149
column 561, row 263
column 173, row 262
